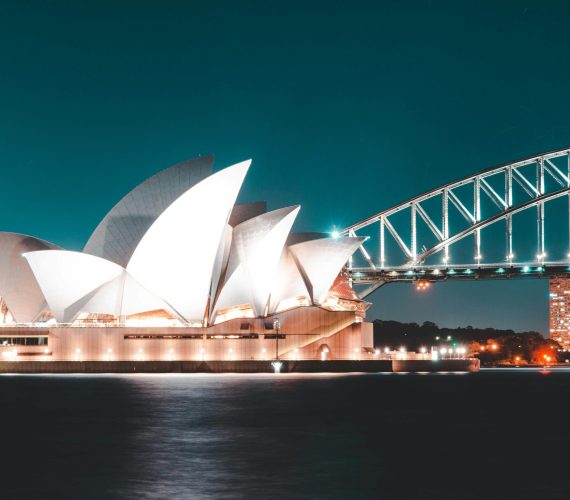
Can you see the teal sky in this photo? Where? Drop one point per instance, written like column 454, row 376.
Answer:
column 345, row 108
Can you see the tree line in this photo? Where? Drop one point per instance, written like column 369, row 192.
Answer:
column 491, row 345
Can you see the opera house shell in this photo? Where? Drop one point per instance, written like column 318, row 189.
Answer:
column 177, row 271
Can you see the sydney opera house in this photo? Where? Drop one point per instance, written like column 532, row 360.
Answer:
column 177, row 271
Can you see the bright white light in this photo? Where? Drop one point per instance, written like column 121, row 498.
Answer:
column 422, row 350
column 511, row 256
column 277, row 365
column 478, row 256
column 377, row 351
column 443, row 350
column 402, row 349
column 335, row 234
column 386, row 350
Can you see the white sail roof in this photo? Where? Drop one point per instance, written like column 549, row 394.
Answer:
column 66, row 277
column 245, row 211
column 289, row 283
column 175, row 258
column 254, row 258
column 322, row 259
column 118, row 234
column 74, row 282
column 220, row 265
column 18, row 286
column 121, row 296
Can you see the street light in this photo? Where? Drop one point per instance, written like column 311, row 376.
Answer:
column 276, row 325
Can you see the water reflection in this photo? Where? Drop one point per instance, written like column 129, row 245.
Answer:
column 283, row 436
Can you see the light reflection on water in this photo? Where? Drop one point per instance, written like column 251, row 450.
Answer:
column 283, row 436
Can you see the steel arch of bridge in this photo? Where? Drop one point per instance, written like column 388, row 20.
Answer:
column 530, row 174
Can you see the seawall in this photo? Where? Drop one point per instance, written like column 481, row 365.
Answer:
column 306, row 366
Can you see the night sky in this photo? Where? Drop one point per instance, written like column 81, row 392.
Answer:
column 346, row 108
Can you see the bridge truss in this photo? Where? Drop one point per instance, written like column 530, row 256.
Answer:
column 416, row 240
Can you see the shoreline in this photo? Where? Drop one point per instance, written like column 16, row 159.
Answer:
column 287, row 366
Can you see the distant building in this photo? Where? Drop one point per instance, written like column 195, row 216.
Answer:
column 560, row 310
column 175, row 271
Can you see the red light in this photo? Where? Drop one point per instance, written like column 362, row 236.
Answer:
column 422, row 284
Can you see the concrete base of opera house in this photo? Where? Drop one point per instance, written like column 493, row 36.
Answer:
column 305, row 366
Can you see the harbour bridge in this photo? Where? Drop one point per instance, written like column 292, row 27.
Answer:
column 493, row 224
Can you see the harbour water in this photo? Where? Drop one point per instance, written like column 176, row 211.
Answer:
column 494, row 434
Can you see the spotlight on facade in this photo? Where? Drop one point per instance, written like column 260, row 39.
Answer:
column 277, row 365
